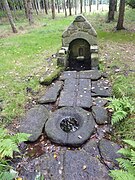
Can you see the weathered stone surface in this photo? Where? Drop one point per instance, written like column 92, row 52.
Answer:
column 83, row 97
column 34, row 121
column 90, row 74
column 78, row 165
column 100, row 115
column 45, row 165
column 76, row 92
column 68, row 75
column 76, row 138
column 108, row 152
column 91, row 147
column 101, row 88
column 51, row 93
column 100, row 101
column 68, row 95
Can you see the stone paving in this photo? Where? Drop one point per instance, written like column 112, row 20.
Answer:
column 88, row 152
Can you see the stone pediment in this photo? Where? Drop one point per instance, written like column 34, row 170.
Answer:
column 80, row 28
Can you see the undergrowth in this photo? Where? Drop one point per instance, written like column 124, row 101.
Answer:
column 8, row 145
column 127, row 163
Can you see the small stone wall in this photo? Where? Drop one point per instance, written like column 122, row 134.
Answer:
column 80, row 29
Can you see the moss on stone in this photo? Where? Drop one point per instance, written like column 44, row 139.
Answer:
column 48, row 78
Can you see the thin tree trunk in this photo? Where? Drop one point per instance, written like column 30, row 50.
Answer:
column 65, row 9
column 46, row 8
column 53, row 9
column 81, row 6
column 75, row 7
column 116, row 5
column 97, row 5
column 58, row 7
column 111, row 10
column 121, row 15
column 35, row 6
column 10, row 18
column 90, row 3
column 30, row 12
column 69, row 5
column 25, row 8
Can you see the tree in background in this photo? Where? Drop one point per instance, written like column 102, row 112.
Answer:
column 65, row 9
column 81, row 5
column 10, row 18
column 53, row 9
column 30, row 12
column 70, row 7
column 121, row 15
column 112, row 5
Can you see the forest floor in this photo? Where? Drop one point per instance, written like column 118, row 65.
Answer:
column 25, row 56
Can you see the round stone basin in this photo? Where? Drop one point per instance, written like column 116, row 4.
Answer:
column 69, row 124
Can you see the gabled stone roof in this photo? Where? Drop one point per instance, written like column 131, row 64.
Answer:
column 79, row 28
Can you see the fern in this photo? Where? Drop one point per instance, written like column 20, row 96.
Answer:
column 122, row 107
column 121, row 175
column 127, row 164
column 9, row 144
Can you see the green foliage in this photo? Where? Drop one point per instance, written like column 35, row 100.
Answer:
column 124, row 86
column 122, row 107
column 127, row 164
column 131, row 3
column 8, row 144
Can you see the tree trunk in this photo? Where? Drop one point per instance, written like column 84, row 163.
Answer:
column 30, row 12
column 10, row 18
column 111, row 10
column 25, row 8
column 46, row 8
column 75, row 7
column 53, row 9
column 70, row 7
column 65, row 8
column 116, row 5
column 35, row 6
column 90, row 3
column 81, row 6
column 57, row 5
column 121, row 15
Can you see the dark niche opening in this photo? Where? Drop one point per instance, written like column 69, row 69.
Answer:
column 69, row 124
column 79, row 55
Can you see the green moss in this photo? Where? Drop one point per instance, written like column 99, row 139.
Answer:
column 48, row 79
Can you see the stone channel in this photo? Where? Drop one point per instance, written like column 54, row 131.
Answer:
column 82, row 149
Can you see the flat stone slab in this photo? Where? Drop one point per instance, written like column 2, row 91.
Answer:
column 76, row 92
column 34, row 121
column 45, row 165
column 100, row 101
column 85, row 128
column 101, row 88
column 65, row 165
column 108, row 150
column 68, row 75
column 78, row 165
column 90, row 74
column 100, row 115
column 87, row 74
column 68, row 94
column 51, row 93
